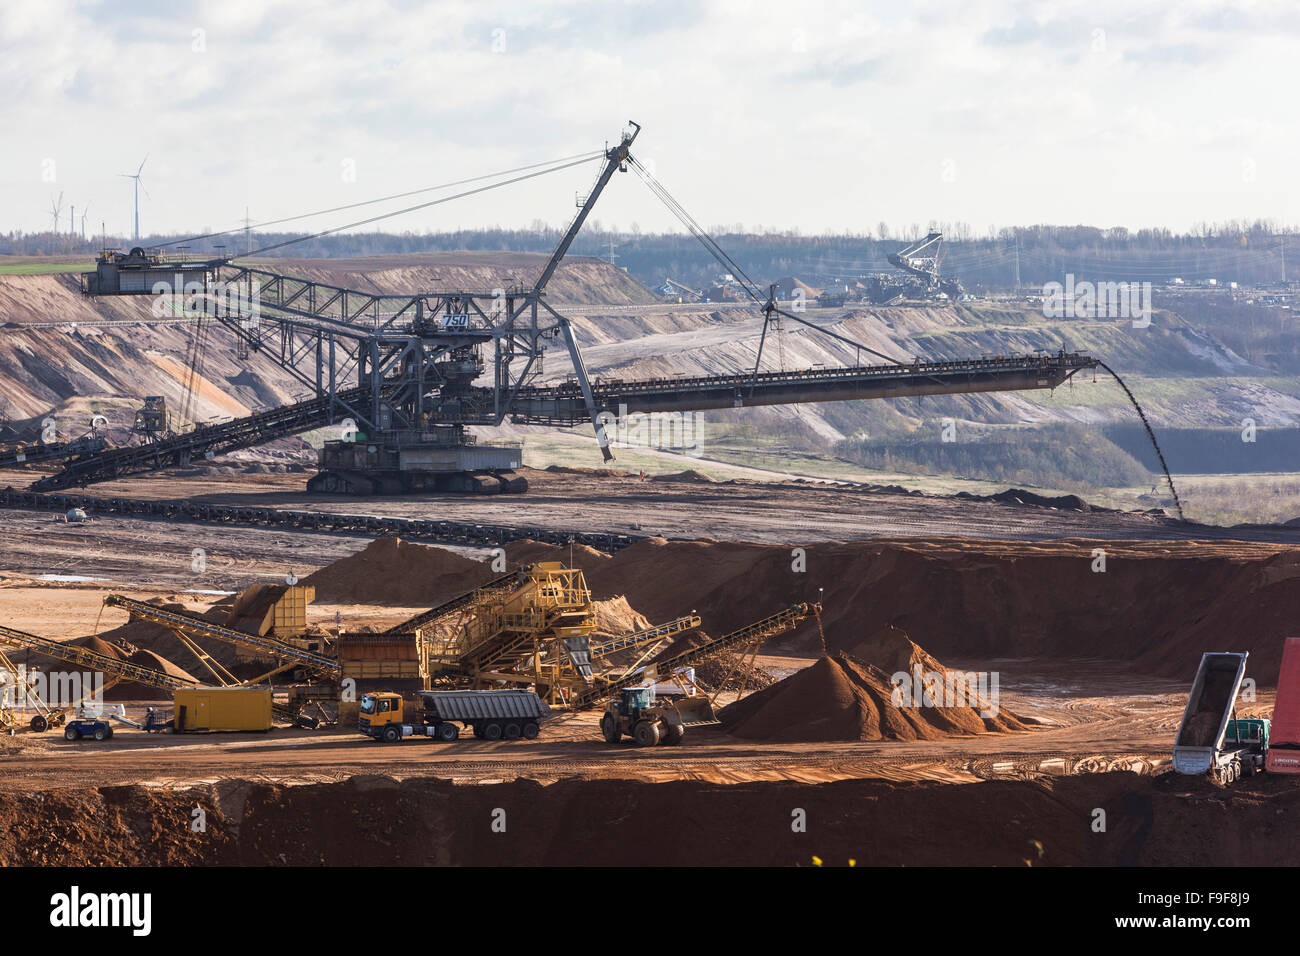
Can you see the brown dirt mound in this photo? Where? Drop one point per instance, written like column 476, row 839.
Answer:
column 1160, row 604
column 528, row 551
column 840, row 698
column 248, row 608
column 597, row 472
column 393, row 571
column 97, row 645
column 892, row 651
column 690, row 474
column 615, row 616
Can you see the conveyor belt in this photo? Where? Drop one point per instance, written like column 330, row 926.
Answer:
column 656, row 633
column 199, row 444
column 73, row 654
column 424, row 619
column 51, row 451
column 198, row 627
column 768, row 627
column 563, row 404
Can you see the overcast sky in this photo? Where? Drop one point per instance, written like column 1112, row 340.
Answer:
column 816, row 116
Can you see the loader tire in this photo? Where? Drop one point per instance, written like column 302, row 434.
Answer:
column 673, row 735
column 646, row 733
column 609, row 727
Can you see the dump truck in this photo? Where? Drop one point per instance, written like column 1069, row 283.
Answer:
column 1249, row 737
column 650, row 719
column 490, row 714
column 1203, row 745
column 1284, row 748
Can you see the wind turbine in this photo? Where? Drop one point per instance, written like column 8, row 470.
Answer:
column 83, row 219
column 56, row 208
column 136, row 177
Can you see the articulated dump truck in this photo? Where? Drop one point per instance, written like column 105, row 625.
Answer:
column 1211, row 738
column 490, row 714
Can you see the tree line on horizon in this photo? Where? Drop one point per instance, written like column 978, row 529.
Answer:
column 1247, row 252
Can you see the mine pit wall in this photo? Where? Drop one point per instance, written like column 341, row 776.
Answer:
column 376, row 820
column 1160, row 606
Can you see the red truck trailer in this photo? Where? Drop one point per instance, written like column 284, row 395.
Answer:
column 1284, row 746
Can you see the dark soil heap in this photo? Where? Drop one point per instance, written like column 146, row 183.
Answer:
column 393, row 571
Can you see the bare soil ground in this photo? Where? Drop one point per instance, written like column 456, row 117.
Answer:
column 1100, row 730
column 774, row 511
column 379, row 821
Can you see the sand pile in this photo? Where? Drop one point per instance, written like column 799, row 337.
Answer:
column 891, row 650
column 614, row 616
column 528, row 551
column 97, row 645
column 842, row 698
column 248, row 609
column 393, row 571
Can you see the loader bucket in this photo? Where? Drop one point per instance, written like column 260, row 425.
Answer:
column 695, row 711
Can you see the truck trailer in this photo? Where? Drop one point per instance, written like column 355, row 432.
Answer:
column 1203, row 744
column 490, row 714
column 1284, row 748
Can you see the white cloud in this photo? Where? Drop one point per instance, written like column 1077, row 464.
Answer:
column 826, row 116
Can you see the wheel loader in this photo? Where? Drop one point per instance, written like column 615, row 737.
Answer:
column 650, row 720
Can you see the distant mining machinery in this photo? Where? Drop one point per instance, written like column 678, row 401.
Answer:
column 534, row 627
column 920, row 260
column 404, row 374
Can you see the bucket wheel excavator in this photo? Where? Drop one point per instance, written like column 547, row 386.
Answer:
column 407, row 376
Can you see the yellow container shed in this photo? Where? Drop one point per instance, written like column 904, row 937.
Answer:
column 222, row 708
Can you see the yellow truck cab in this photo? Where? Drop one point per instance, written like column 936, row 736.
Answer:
column 378, row 711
